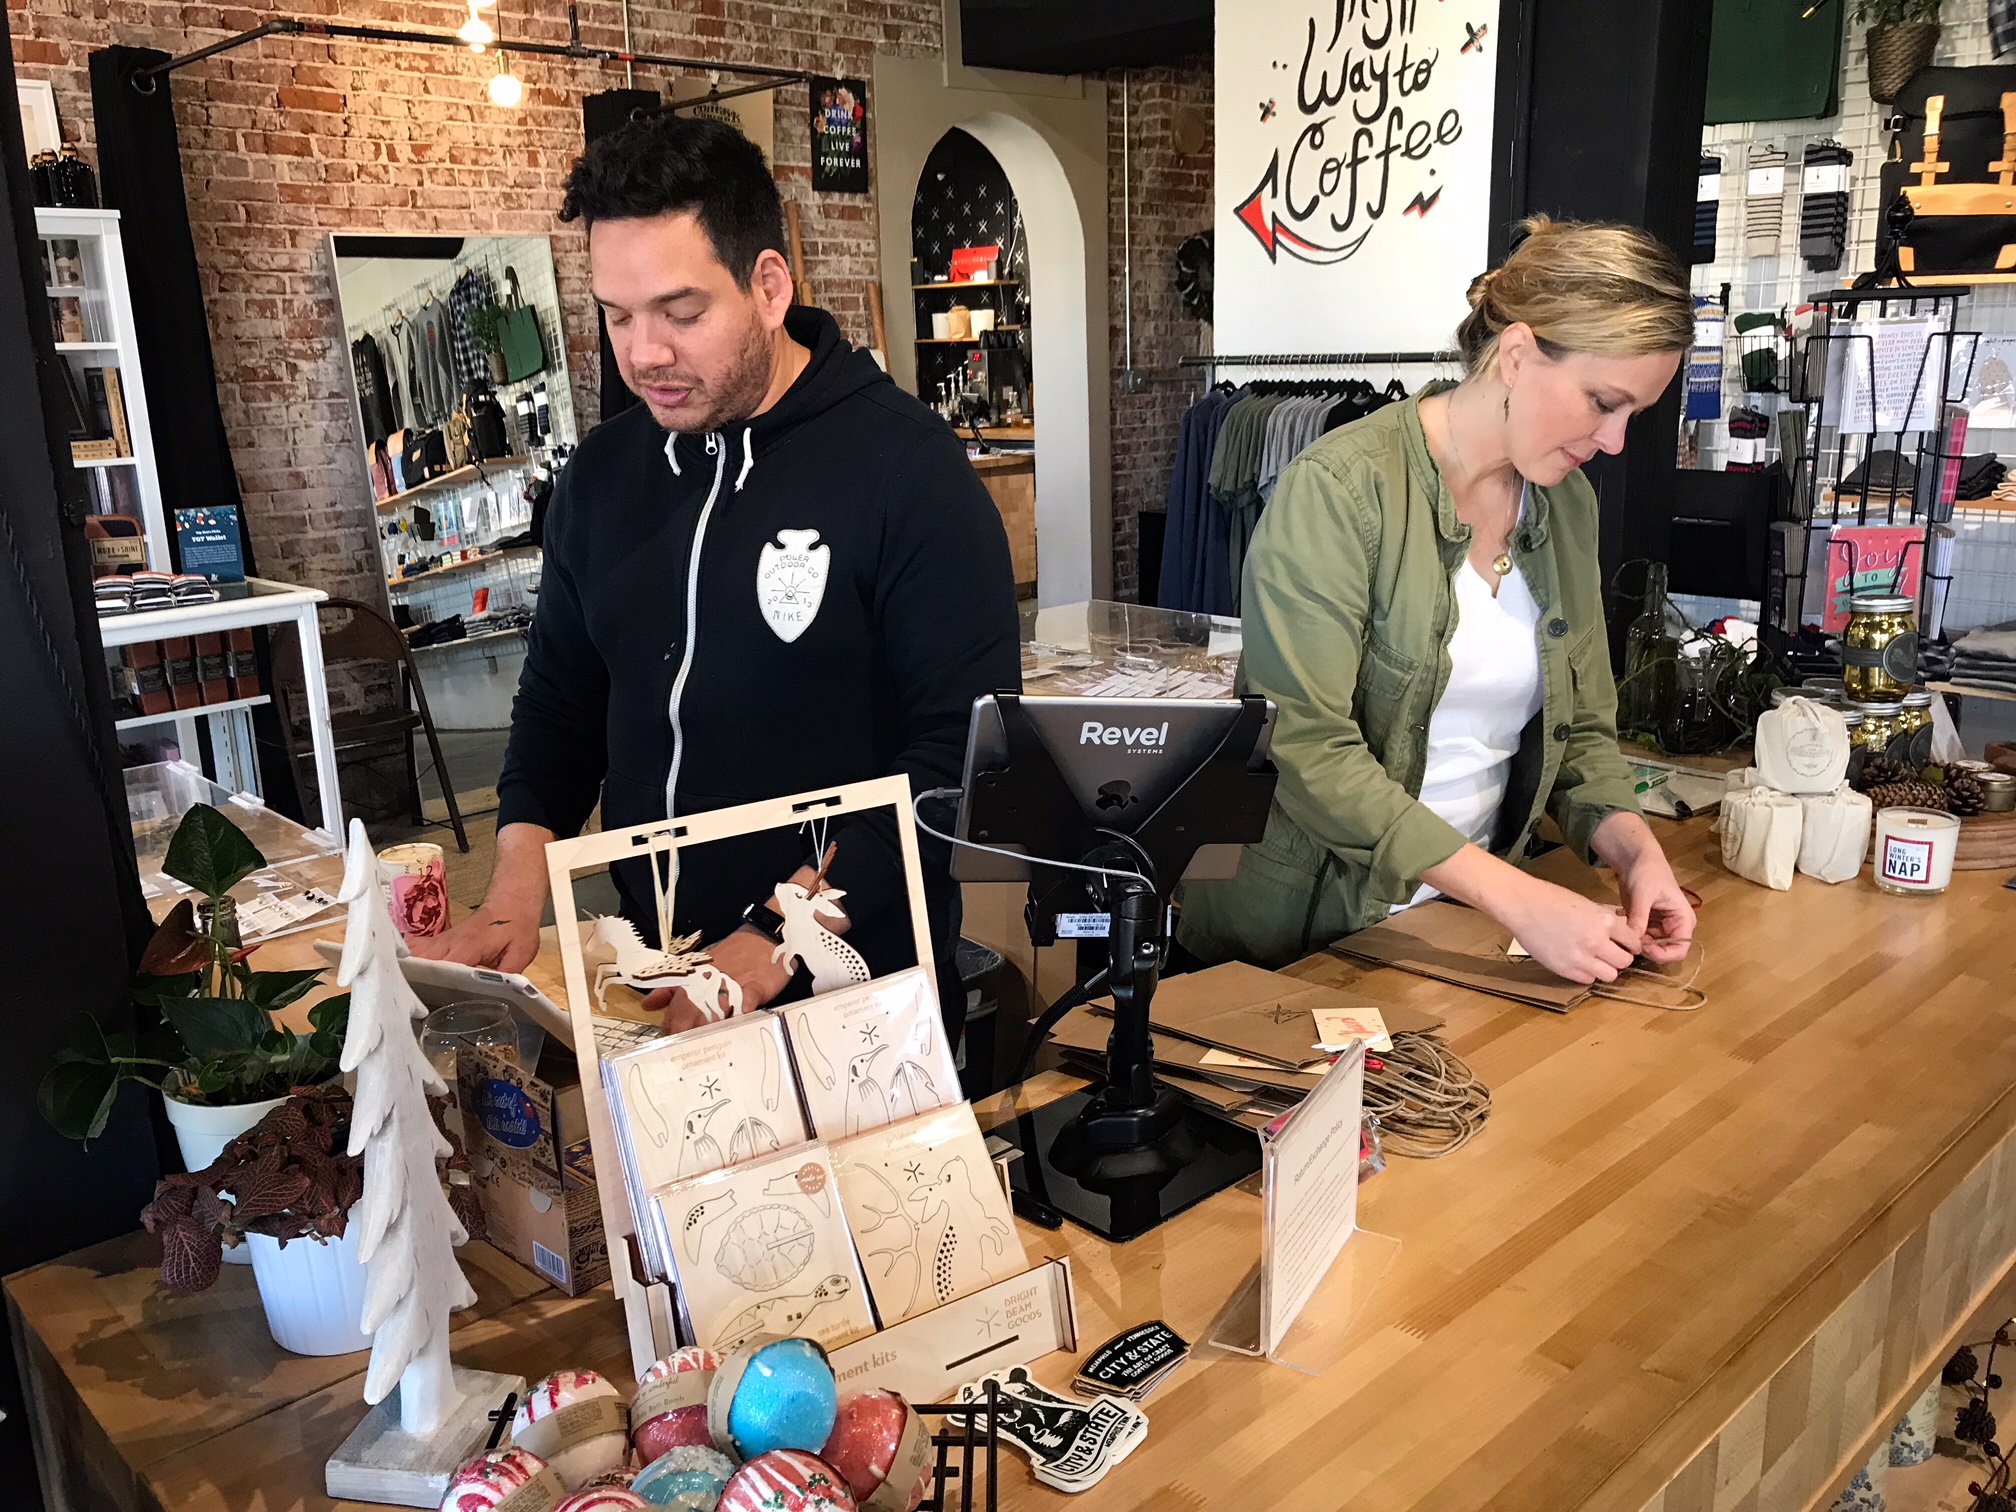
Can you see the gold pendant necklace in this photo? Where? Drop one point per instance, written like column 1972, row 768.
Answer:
column 1502, row 564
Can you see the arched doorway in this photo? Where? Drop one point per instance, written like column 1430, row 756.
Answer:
column 1053, row 152
column 973, row 303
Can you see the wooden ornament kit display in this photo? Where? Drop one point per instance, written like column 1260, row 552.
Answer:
column 926, row 1357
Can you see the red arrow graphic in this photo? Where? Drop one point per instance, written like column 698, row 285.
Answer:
column 1258, row 216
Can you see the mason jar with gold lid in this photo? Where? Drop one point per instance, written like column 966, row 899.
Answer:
column 1857, row 753
column 1877, row 726
column 1880, row 649
column 1912, row 744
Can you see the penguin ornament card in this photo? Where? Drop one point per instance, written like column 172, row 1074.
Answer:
column 872, row 1054
column 763, row 1248
column 694, row 1102
column 930, row 1220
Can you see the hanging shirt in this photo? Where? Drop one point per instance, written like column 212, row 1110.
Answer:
column 1493, row 693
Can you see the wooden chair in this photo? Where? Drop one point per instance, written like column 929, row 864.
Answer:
column 355, row 632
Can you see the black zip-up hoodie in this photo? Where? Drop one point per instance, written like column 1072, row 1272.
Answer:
column 854, row 596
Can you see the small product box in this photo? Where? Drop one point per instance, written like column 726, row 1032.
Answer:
column 527, row 1137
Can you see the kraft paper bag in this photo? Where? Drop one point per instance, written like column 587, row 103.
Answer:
column 1452, row 943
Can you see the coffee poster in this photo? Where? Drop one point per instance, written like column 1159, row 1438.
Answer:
column 840, row 136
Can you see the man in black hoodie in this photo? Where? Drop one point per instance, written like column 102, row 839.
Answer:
column 779, row 572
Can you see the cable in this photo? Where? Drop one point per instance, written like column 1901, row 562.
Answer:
column 1428, row 1102
column 916, row 813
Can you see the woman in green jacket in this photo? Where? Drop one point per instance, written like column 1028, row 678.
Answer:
column 1422, row 600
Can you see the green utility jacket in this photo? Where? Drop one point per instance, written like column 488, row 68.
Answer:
column 1348, row 611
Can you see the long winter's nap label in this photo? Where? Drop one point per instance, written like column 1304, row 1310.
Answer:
column 1907, row 861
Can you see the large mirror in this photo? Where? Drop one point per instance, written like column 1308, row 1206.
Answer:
column 459, row 375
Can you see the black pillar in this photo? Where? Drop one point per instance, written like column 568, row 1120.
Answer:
column 72, row 921
column 1599, row 118
column 140, row 176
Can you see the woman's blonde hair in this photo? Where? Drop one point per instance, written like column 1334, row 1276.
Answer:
column 1581, row 286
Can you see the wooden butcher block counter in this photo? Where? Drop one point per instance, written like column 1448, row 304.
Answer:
column 1696, row 1261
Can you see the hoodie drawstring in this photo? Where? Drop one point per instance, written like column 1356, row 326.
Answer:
column 748, row 459
column 672, row 452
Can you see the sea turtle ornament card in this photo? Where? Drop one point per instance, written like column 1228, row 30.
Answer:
column 763, row 1248
column 928, row 1214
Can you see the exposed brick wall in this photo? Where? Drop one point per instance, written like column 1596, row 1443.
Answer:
column 1171, row 202
column 288, row 140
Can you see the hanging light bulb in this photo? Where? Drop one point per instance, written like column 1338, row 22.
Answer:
column 506, row 88
column 476, row 31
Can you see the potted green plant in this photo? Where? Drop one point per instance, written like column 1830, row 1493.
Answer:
column 1901, row 36
column 486, row 328
column 217, row 1057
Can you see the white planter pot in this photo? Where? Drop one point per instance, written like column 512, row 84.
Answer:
column 313, row 1292
column 202, row 1131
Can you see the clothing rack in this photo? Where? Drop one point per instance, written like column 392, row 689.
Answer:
column 1212, row 362
column 482, row 253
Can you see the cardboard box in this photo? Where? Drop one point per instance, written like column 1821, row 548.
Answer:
column 527, row 1137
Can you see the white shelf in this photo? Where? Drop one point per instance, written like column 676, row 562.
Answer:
column 171, row 715
column 268, row 603
column 109, row 308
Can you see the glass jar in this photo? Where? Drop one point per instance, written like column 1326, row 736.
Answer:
column 1912, row 743
column 1877, row 726
column 1999, row 789
column 1857, row 752
column 1880, row 649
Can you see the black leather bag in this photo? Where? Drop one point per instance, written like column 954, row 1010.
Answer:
column 488, row 436
column 1949, row 185
column 426, row 457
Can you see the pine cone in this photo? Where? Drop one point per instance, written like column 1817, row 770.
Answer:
column 1964, row 794
column 1960, row 1368
column 1910, row 793
column 1881, row 771
column 1975, row 1424
column 1995, row 1501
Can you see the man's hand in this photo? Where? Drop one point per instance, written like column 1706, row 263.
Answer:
column 747, row 956
column 743, row 955
column 504, row 939
column 504, row 933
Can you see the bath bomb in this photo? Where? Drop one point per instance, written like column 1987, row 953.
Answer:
column 687, row 1478
column 487, row 1479
column 670, row 1407
column 576, row 1422
column 786, row 1480
column 883, row 1450
column 603, row 1499
column 772, row 1393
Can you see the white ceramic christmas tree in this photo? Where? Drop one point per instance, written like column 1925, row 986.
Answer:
column 407, row 1232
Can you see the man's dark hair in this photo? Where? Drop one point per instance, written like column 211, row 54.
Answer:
column 664, row 163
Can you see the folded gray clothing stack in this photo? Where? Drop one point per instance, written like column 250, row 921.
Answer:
column 1986, row 658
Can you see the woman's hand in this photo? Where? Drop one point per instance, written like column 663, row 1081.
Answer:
column 1653, row 901
column 1574, row 937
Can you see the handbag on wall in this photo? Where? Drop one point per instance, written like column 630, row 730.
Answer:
column 1950, row 179
column 489, row 437
column 426, row 457
column 524, row 347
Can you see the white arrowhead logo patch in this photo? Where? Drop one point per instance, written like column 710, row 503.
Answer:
column 791, row 581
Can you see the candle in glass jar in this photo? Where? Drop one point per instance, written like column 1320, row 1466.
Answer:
column 1915, row 850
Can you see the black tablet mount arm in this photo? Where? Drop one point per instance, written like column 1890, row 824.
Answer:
column 1029, row 804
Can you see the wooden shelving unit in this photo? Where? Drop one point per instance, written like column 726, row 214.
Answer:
column 960, row 340
column 462, row 566
column 474, row 472
column 990, row 283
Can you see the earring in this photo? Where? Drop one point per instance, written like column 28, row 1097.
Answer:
column 1508, row 404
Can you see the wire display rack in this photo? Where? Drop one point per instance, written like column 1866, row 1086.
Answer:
column 1850, row 393
column 964, row 1437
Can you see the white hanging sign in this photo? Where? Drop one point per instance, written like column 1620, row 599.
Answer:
column 1353, row 171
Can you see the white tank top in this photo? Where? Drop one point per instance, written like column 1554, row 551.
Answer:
column 1493, row 693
